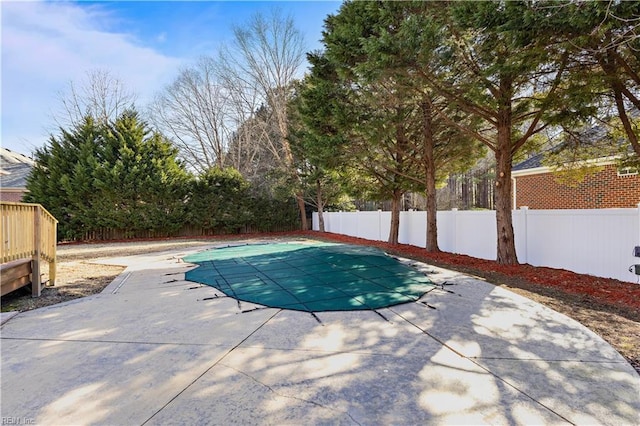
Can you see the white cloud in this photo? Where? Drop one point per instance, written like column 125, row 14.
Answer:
column 47, row 45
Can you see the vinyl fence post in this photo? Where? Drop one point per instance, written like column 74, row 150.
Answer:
column 639, row 224
column 525, row 233
column 379, row 225
column 454, row 211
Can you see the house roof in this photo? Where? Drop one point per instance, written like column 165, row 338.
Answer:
column 530, row 163
column 14, row 169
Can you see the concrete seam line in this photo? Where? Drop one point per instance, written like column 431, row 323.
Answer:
column 444, row 344
column 272, row 390
column 210, row 367
column 121, row 283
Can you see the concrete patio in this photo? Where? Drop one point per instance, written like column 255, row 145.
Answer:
column 155, row 349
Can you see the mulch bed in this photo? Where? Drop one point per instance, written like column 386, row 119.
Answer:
column 610, row 292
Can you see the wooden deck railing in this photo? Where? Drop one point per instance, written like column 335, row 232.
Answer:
column 28, row 231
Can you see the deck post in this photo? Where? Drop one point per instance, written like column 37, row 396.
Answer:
column 36, row 285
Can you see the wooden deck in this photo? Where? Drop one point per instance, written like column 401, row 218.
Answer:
column 28, row 236
column 15, row 275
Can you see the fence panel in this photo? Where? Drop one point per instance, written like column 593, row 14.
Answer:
column 475, row 233
column 446, row 221
column 520, row 231
column 349, row 224
column 597, row 242
column 110, row 234
column 369, row 225
column 413, row 228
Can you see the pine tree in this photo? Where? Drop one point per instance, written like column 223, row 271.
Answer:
column 118, row 175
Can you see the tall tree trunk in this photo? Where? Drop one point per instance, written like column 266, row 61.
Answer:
column 296, row 178
column 465, row 191
column 432, row 225
column 608, row 63
column 395, row 217
column 397, row 195
column 320, row 203
column 504, row 220
column 303, row 211
column 624, row 118
column 430, row 179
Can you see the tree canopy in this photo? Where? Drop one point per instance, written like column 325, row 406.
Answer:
column 423, row 78
column 117, row 174
column 401, row 95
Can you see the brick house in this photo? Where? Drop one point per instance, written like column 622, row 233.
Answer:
column 535, row 186
column 14, row 169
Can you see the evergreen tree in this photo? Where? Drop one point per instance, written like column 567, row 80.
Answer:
column 392, row 115
column 117, row 175
column 499, row 63
column 317, row 142
column 61, row 179
column 140, row 178
column 219, row 201
column 376, row 110
column 603, row 41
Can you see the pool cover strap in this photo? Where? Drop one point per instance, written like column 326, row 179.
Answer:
column 308, row 277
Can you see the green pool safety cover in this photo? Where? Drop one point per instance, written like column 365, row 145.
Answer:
column 309, row 277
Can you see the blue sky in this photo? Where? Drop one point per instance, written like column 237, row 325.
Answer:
column 46, row 45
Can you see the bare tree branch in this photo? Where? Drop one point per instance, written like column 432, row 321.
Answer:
column 193, row 110
column 100, row 95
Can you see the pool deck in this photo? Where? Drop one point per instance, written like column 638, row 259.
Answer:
column 155, row 349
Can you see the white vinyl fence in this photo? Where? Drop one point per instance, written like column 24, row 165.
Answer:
column 598, row 242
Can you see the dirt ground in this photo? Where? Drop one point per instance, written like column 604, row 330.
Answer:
column 78, row 276
column 620, row 332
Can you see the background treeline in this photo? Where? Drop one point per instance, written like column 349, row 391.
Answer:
column 106, row 179
column 401, row 98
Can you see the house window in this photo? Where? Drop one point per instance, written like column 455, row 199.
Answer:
column 627, row 171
